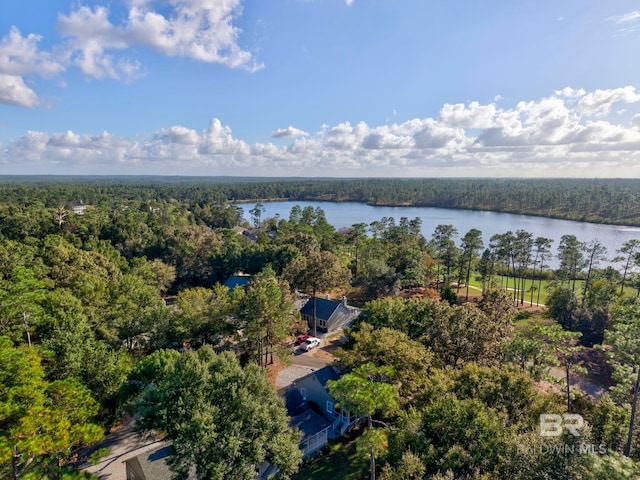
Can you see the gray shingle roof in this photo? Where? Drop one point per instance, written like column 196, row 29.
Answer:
column 302, row 416
column 153, row 463
column 324, row 308
column 325, row 374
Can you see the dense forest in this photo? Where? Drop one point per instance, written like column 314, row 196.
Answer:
column 119, row 306
column 615, row 201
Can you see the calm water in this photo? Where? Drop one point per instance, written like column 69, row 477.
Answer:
column 489, row 223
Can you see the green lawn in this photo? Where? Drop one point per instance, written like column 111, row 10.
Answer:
column 525, row 321
column 339, row 462
column 508, row 283
column 544, row 292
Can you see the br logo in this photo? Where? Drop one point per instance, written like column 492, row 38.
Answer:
column 554, row 425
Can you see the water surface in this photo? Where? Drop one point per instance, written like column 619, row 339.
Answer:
column 346, row 214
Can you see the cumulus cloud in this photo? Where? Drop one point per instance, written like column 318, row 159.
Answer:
column 289, row 132
column 569, row 92
column 14, row 91
column 566, row 133
column 387, row 138
column 473, row 115
column 201, row 30
column 179, row 135
column 218, row 140
column 91, row 35
column 600, row 102
column 20, row 57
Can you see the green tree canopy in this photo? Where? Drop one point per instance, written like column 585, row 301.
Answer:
column 223, row 420
column 40, row 422
column 390, row 348
column 624, row 355
column 316, row 272
column 267, row 317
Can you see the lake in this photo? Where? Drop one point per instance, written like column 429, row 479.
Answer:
column 346, row 214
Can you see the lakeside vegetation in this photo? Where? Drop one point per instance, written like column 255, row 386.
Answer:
column 613, row 201
column 96, row 306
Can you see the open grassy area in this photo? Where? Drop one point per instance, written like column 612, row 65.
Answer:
column 507, row 282
column 340, row 461
column 525, row 321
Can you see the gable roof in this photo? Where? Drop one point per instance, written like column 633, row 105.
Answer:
column 152, row 464
column 325, row 374
column 324, row 308
column 237, row 281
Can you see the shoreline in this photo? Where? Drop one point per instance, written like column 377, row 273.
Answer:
column 611, row 223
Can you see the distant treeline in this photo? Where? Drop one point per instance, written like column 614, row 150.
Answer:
column 615, row 201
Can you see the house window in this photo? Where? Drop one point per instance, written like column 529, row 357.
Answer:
column 303, row 392
column 329, row 407
column 322, row 323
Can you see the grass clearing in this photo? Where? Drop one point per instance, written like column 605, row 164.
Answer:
column 545, row 287
column 525, row 321
column 340, row 461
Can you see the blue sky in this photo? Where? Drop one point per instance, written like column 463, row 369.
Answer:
column 355, row 88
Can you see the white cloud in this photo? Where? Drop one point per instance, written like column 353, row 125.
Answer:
column 386, row 138
column 180, row 135
column 14, row 91
column 19, row 58
column 345, row 136
column 437, row 135
column 600, row 102
column 218, row 140
column 626, row 23
column 202, row 30
column 91, row 36
column 569, row 92
column 66, row 139
column 289, row 132
column 472, row 116
column 304, row 146
column 553, row 136
column 625, row 17
column 348, row 2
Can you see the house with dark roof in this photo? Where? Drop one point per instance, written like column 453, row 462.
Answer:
column 331, row 316
column 313, row 427
column 254, row 234
column 313, row 413
column 150, row 464
column 313, row 388
column 235, row 281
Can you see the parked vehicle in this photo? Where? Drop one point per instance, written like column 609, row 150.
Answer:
column 311, row 342
column 300, row 339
